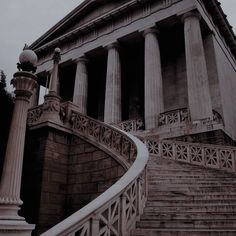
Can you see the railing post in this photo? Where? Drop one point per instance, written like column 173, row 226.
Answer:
column 174, row 148
column 95, row 226
column 123, row 216
column 139, row 196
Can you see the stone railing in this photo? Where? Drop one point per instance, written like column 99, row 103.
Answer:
column 182, row 115
column 34, row 114
column 174, row 116
column 207, row 155
column 116, row 210
column 131, row 125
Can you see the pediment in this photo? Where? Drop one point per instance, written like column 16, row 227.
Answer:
column 86, row 12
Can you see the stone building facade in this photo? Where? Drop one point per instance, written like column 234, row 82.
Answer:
column 162, row 69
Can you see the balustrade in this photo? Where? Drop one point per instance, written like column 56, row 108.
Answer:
column 131, row 125
column 116, row 210
column 211, row 156
column 182, row 115
column 174, row 116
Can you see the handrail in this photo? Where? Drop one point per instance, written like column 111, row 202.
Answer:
column 116, row 210
column 182, row 115
column 207, row 155
column 132, row 125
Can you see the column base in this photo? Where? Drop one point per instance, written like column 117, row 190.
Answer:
column 9, row 212
column 51, row 109
column 15, row 228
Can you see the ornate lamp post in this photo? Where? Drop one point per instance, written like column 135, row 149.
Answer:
column 24, row 83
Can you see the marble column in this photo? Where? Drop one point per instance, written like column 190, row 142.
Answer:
column 153, row 92
column 112, row 112
column 197, row 78
column 81, row 85
column 10, row 222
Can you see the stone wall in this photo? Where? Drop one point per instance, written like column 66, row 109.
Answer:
column 62, row 173
column 226, row 73
column 210, row 55
column 91, row 172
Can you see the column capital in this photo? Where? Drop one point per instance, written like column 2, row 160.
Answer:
column 191, row 14
column 152, row 30
column 83, row 59
column 113, row 45
column 24, row 83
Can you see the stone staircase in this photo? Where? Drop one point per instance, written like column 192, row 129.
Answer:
column 187, row 200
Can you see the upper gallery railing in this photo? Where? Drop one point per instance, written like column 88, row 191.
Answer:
column 131, row 125
column 182, row 115
column 207, row 155
column 116, row 210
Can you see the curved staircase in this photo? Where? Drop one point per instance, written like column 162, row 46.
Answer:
column 191, row 187
column 186, row 200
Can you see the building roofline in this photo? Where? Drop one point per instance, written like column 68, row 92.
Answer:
column 212, row 6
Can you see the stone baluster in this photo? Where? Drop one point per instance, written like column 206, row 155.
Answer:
column 51, row 105
column 10, row 222
column 198, row 88
column 81, row 85
column 153, row 93
column 112, row 112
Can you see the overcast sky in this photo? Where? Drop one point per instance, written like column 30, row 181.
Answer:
column 23, row 21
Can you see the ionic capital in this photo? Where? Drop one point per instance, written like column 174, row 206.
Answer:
column 114, row 45
column 191, row 14
column 152, row 30
column 82, row 59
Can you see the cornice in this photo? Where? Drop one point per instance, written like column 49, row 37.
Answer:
column 101, row 20
column 220, row 19
column 63, row 21
column 212, row 6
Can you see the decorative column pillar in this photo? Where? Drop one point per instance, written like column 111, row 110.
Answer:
column 51, row 105
column 112, row 112
column 81, row 85
column 34, row 98
column 24, row 82
column 198, row 88
column 153, row 92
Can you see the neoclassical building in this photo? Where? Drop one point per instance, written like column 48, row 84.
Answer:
column 163, row 70
column 129, row 60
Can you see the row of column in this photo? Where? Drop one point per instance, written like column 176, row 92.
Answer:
column 197, row 79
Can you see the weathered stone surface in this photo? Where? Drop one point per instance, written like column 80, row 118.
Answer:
column 186, row 200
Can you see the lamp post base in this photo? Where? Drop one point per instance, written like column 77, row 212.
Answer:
column 15, row 228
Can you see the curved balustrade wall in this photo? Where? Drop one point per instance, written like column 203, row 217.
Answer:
column 116, row 210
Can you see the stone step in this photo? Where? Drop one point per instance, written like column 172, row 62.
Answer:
column 183, row 232
column 175, row 197
column 155, row 208
column 190, row 202
column 187, row 224
column 191, row 180
column 191, row 184
column 190, row 188
column 188, row 216
column 188, row 172
column 188, row 193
